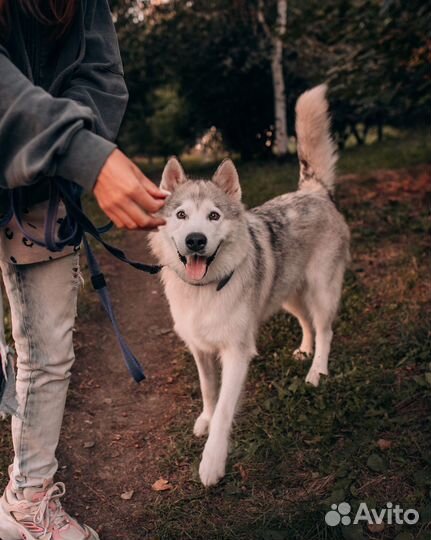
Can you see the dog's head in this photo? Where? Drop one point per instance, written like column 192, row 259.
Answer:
column 203, row 236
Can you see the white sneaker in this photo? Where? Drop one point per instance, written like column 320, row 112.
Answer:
column 37, row 514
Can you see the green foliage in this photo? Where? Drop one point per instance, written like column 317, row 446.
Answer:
column 378, row 72
column 161, row 127
column 214, row 57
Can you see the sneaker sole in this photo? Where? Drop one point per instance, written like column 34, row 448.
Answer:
column 11, row 530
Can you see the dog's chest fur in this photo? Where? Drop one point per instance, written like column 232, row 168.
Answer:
column 197, row 312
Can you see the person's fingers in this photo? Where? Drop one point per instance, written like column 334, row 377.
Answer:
column 116, row 220
column 154, row 222
column 125, row 221
column 153, row 189
column 139, row 218
column 118, row 223
column 146, row 201
column 136, row 214
column 144, row 220
column 110, row 213
column 149, row 185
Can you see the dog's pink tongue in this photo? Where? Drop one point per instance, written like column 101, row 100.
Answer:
column 196, row 267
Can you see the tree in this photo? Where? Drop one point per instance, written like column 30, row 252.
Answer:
column 276, row 38
column 226, row 63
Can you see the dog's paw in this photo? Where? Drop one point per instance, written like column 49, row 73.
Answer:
column 313, row 377
column 211, row 472
column 201, row 426
column 299, row 354
column 212, row 467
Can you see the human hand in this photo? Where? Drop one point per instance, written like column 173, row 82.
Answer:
column 126, row 195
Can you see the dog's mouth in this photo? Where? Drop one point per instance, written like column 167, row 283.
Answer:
column 196, row 266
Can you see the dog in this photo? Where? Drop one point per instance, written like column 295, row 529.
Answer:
column 228, row 269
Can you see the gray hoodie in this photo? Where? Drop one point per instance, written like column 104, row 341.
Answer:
column 63, row 123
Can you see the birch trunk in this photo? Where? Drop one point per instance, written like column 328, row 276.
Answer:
column 280, row 143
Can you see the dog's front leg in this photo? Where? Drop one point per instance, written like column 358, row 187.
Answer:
column 206, row 365
column 234, row 370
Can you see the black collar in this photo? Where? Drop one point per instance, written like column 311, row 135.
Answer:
column 222, row 283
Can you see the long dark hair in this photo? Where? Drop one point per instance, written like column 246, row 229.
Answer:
column 58, row 14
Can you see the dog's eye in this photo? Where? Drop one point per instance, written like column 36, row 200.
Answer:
column 181, row 214
column 214, row 216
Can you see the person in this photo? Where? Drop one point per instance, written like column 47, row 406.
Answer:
column 62, row 99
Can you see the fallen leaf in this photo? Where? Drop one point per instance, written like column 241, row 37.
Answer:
column 384, row 444
column 161, row 485
column 127, row 495
column 155, row 330
column 89, row 444
column 163, row 331
column 241, row 470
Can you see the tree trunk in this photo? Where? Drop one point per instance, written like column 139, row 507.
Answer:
column 275, row 37
column 355, row 132
column 380, row 131
column 280, row 143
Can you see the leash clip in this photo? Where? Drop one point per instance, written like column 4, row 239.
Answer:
column 98, row 281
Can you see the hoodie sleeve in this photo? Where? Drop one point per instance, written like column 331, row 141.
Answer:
column 98, row 81
column 70, row 135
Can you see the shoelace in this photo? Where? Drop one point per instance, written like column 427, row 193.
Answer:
column 49, row 511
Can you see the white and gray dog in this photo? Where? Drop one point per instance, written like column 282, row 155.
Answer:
column 226, row 270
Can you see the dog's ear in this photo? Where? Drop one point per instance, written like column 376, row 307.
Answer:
column 226, row 178
column 173, row 175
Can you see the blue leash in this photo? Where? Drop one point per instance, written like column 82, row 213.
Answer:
column 72, row 231
column 99, row 284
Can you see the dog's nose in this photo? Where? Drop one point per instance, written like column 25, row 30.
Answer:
column 196, row 241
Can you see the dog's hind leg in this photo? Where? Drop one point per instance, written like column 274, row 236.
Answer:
column 207, row 369
column 297, row 308
column 235, row 366
column 323, row 299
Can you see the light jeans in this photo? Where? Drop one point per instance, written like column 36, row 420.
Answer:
column 43, row 298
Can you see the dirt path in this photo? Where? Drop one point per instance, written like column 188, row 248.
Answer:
column 114, row 430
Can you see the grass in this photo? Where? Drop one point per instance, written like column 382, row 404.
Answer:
column 364, row 434
column 262, row 179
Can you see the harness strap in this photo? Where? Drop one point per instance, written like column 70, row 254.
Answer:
column 99, row 284
column 4, row 219
column 74, row 210
column 69, row 233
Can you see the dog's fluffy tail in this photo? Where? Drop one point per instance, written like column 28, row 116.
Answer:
column 316, row 149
